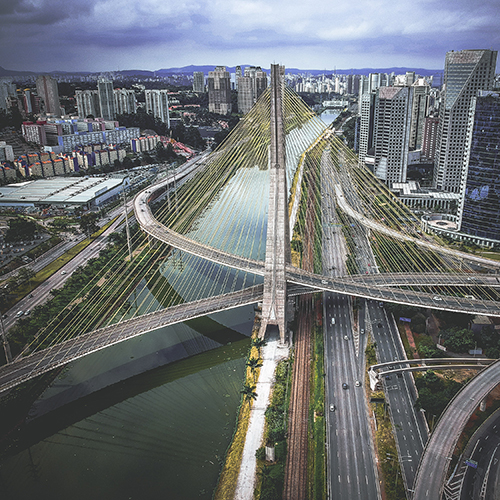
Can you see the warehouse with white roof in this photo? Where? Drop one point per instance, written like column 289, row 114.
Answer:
column 63, row 192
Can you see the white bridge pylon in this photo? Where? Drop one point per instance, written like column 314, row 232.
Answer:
column 278, row 253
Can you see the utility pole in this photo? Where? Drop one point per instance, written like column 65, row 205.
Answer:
column 127, row 230
column 5, row 342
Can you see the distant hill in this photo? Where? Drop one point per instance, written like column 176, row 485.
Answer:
column 354, row 71
column 189, row 70
column 8, row 72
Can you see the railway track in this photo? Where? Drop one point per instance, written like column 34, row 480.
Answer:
column 295, row 487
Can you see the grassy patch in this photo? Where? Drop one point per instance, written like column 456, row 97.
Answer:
column 317, row 461
column 392, row 480
column 226, row 486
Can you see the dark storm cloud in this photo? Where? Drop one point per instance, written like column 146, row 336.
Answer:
column 347, row 34
column 42, row 12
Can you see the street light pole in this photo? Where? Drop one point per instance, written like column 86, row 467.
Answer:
column 5, row 342
column 127, row 230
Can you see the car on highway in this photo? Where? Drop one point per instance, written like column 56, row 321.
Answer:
column 27, row 313
column 63, row 272
column 357, row 383
column 19, row 314
column 344, row 386
column 437, row 297
column 362, row 331
column 346, row 337
column 4, row 316
column 332, row 407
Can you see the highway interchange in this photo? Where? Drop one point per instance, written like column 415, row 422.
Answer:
column 352, row 463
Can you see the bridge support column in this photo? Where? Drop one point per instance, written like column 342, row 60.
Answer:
column 482, row 405
column 278, row 253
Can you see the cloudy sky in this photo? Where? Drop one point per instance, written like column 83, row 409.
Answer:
column 107, row 35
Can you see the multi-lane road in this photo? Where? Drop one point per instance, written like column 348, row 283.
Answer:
column 352, row 471
column 408, row 424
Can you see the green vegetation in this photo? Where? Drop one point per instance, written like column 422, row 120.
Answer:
column 388, row 456
column 346, row 221
column 385, row 443
column 434, row 394
column 20, row 229
column 317, row 456
column 81, row 290
column 349, row 131
column 272, row 475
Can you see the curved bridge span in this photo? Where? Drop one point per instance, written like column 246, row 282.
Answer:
column 376, row 287
column 31, row 366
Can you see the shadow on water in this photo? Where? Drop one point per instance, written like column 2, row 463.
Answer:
column 53, row 422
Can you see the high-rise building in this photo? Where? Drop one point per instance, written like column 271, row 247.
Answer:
column 245, row 94
column 87, row 103
column 238, row 74
column 198, row 82
column 106, row 98
column 479, row 212
column 46, row 88
column 125, row 101
column 355, row 84
column 367, row 105
column 7, row 89
column 157, row 103
column 375, row 81
column 219, row 91
column 364, row 88
column 430, row 137
column 418, row 112
column 410, row 78
column 250, row 88
column 391, row 133
column 465, row 73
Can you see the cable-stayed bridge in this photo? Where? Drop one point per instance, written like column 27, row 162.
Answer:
column 232, row 223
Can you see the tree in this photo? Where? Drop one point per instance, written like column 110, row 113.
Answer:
column 258, row 342
column 20, row 229
column 88, row 223
column 249, row 393
column 25, row 274
column 253, row 364
column 60, row 224
column 127, row 163
column 458, row 340
column 161, row 152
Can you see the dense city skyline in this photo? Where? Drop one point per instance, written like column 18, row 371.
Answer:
column 113, row 35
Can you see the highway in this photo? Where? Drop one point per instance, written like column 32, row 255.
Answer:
column 410, row 430
column 345, row 205
column 482, row 482
column 352, row 471
column 433, row 466
column 41, row 294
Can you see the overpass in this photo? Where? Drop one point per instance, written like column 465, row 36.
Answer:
column 423, row 365
column 435, row 461
column 371, row 286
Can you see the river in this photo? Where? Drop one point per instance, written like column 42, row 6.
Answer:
column 329, row 115
column 151, row 417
